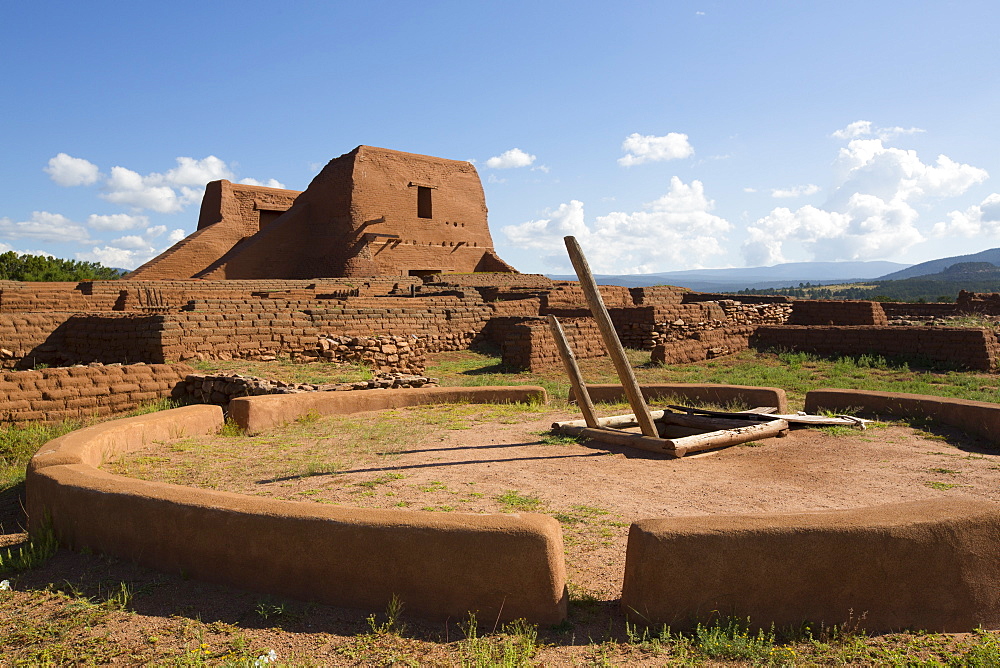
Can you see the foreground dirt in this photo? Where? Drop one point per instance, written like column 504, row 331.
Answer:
column 86, row 608
column 482, row 459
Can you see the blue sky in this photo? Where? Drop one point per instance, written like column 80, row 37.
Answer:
column 664, row 135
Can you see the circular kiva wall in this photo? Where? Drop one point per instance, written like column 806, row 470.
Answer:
column 927, row 564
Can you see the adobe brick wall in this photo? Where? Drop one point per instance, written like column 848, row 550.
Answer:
column 833, row 312
column 230, row 212
column 895, row 310
column 56, row 394
column 969, row 348
column 359, row 217
column 978, row 302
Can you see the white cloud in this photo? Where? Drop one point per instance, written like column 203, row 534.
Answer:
column 69, row 171
column 176, row 235
column 871, row 214
column 796, row 191
column 515, row 157
column 859, row 129
column 191, row 172
column 45, row 226
column 749, row 190
column 116, row 221
column 129, row 188
column 131, row 242
column 649, row 148
column 168, row 192
column 270, row 183
column 155, row 231
column 982, row 219
column 673, row 231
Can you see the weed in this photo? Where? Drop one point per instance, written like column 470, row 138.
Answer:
column 231, row 430
column 941, row 486
column 558, row 439
column 514, row 646
column 392, row 624
column 39, row 547
column 155, row 406
column 513, row 500
column 19, row 442
column 310, row 417
column 732, row 639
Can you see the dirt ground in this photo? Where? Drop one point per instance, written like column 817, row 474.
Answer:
column 476, row 459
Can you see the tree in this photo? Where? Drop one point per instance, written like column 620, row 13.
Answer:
column 14, row 267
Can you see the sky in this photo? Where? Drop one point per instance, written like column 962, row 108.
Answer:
column 664, row 135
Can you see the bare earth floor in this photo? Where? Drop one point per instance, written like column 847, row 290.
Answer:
column 488, row 459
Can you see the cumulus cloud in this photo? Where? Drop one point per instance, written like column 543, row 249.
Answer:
column 676, row 230
column 859, row 129
column 795, row 191
column 649, row 148
column 131, row 250
column 69, row 171
column 515, row 157
column 45, row 226
column 982, row 219
column 167, row 192
column 176, row 235
column 270, row 183
column 871, row 212
column 116, row 221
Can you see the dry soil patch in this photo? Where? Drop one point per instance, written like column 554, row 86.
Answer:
column 488, row 459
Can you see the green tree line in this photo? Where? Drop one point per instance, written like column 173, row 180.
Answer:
column 14, row 267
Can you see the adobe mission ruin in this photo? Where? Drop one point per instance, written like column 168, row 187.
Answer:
column 384, row 258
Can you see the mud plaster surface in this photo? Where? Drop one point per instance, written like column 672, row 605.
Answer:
column 595, row 491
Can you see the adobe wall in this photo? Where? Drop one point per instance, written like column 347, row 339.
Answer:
column 931, row 565
column 230, row 212
column 833, row 312
column 978, row 302
column 81, row 392
column 974, row 417
column 502, row 567
column 902, row 310
column 361, row 217
column 969, row 348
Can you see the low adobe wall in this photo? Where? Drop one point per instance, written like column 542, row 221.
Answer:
column 931, row 565
column 975, row 417
column 255, row 414
column 970, row 348
column 836, row 312
column 65, row 393
column 704, row 393
column 439, row 565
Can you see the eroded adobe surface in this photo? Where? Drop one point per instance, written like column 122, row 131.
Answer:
column 370, row 212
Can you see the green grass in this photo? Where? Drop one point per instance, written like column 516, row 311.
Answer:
column 512, row 500
column 19, row 442
column 795, row 372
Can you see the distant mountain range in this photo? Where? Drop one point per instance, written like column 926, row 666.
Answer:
column 937, row 266
column 730, row 280
column 790, row 274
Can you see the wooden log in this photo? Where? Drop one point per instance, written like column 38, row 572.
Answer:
column 726, row 437
column 611, row 341
column 573, row 371
column 627, row 439
column 624, row 421
column 821, row 420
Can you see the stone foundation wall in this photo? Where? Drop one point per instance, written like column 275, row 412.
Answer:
column 56, row 394
column 969, row 348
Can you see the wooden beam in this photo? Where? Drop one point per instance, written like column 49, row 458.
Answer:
column 611, row 341
column 726, row 437
column 627, row 439
column 573, row 371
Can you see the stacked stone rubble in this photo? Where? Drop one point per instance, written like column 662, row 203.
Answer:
column 220, row 389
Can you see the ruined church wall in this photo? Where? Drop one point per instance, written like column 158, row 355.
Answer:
column 230, row 212
column 835, row 312
column 963, row 347
column 85, row 391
